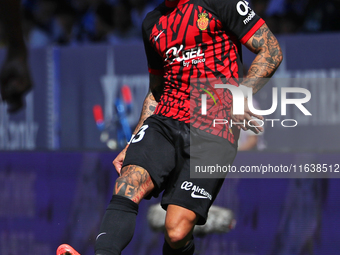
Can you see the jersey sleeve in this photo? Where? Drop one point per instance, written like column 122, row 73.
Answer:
column 237, row 17
column 155, row 61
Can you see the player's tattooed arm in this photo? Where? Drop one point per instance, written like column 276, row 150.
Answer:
column 268, row 58
column 149, row 106
column 148, row 109
column 150, row 102
column 134, row 183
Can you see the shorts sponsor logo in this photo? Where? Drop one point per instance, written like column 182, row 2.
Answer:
column 197, row 192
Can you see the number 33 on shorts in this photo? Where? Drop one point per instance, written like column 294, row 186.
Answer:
column 139, row 136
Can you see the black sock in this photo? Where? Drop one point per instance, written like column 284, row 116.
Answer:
column 189, row 249
column 117, row 227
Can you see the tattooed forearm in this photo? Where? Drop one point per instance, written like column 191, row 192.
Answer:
column 267, row 60
column 152, row 108
column 148, row 109
column 134, row 183
column 150, row 103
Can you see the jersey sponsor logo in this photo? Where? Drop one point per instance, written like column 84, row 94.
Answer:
column 243, row 9
column 197, row 192
column 203, row 21
column 188, row 57
column 249, row 18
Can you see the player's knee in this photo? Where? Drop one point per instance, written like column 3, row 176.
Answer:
column 177, row 235
column 179, row 223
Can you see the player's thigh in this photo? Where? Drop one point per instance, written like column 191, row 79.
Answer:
column 153, row 150
column 195, row 191
column 134, row 183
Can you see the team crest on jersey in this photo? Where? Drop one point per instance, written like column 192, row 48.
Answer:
column 203, row 21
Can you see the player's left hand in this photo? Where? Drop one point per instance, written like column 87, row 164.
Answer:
column 15, row 81
column 245, row 118
column 118, row 161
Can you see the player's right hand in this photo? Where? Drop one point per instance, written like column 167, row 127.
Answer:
column 118, row 161
column 247, row 118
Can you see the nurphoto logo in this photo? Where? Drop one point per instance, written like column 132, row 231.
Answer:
column 239, row 94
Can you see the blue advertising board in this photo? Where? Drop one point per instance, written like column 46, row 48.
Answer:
column 49, row 198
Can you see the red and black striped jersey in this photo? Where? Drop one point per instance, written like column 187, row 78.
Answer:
column 195, row 44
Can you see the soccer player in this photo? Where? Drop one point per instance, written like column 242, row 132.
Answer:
column 190, row 46
column 15, row 76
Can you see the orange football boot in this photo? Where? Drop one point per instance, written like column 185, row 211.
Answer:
column 66, row 249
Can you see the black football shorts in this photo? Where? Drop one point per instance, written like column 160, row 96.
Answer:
column 162, row 147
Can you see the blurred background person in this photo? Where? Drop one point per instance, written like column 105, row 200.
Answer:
column 124, row 30
column 14, row 75
column 139, row 9
column 64, row 24
column 40, row 34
